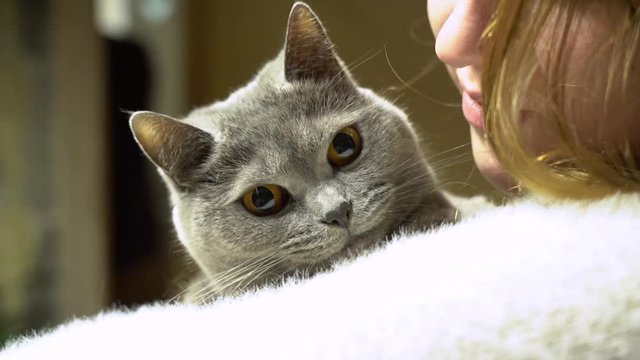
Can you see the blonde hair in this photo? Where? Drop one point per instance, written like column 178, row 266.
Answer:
column 511, row 59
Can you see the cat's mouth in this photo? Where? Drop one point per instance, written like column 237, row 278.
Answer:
column 354, row 247
column 366, row 229
column 335, row 247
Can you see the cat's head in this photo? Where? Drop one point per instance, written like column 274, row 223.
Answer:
column 300, row 164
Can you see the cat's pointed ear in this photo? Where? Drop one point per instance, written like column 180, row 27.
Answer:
column 309, row 53
column 177, row 148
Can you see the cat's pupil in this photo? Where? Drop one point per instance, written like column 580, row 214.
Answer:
column 344, row 144
column 263, row 198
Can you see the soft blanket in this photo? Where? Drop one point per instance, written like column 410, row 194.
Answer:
column 522, row 281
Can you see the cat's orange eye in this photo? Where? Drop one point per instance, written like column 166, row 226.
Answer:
column 345, row 147
column 265, row 200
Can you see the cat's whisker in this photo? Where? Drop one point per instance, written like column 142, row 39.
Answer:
column 194, row 287
column 465, row 184
column 267, row 261
column 445, row 152
column 405, row 165
column 233, row 271
column 450, row 161
column 407, row 85
column 249, row 278
column 201, row 295
column 214, row 286
column 438, row 168
column 442, row 168
column 367, row 57
column 239, row 273
column 411, row 161
column 257, row 274
column 464, row 154
column 436, row 159
column 417, row 180
column 190, row 288
column 402, row 166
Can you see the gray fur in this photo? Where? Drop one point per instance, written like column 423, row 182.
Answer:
column 273, row 131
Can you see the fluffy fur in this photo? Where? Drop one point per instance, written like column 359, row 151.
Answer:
column 277, row 130
column 524, row 281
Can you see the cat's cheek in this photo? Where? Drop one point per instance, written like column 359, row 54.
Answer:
column 369, row 214
column 185, row 227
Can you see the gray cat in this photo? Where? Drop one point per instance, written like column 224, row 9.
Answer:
column 298, row 169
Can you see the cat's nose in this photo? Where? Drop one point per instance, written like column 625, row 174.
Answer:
column 330, row 204
column 338, row 215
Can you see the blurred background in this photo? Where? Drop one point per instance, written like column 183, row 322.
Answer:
column 84, row 219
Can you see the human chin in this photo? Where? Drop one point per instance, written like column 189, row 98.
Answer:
column 483, row 154
column 488, row 164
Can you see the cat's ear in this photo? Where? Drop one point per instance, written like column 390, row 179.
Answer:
column 177, row 148
column 309, row 53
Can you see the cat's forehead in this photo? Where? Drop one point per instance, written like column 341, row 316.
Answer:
column 272, row 118
column 300, row 107
column 287, row 127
